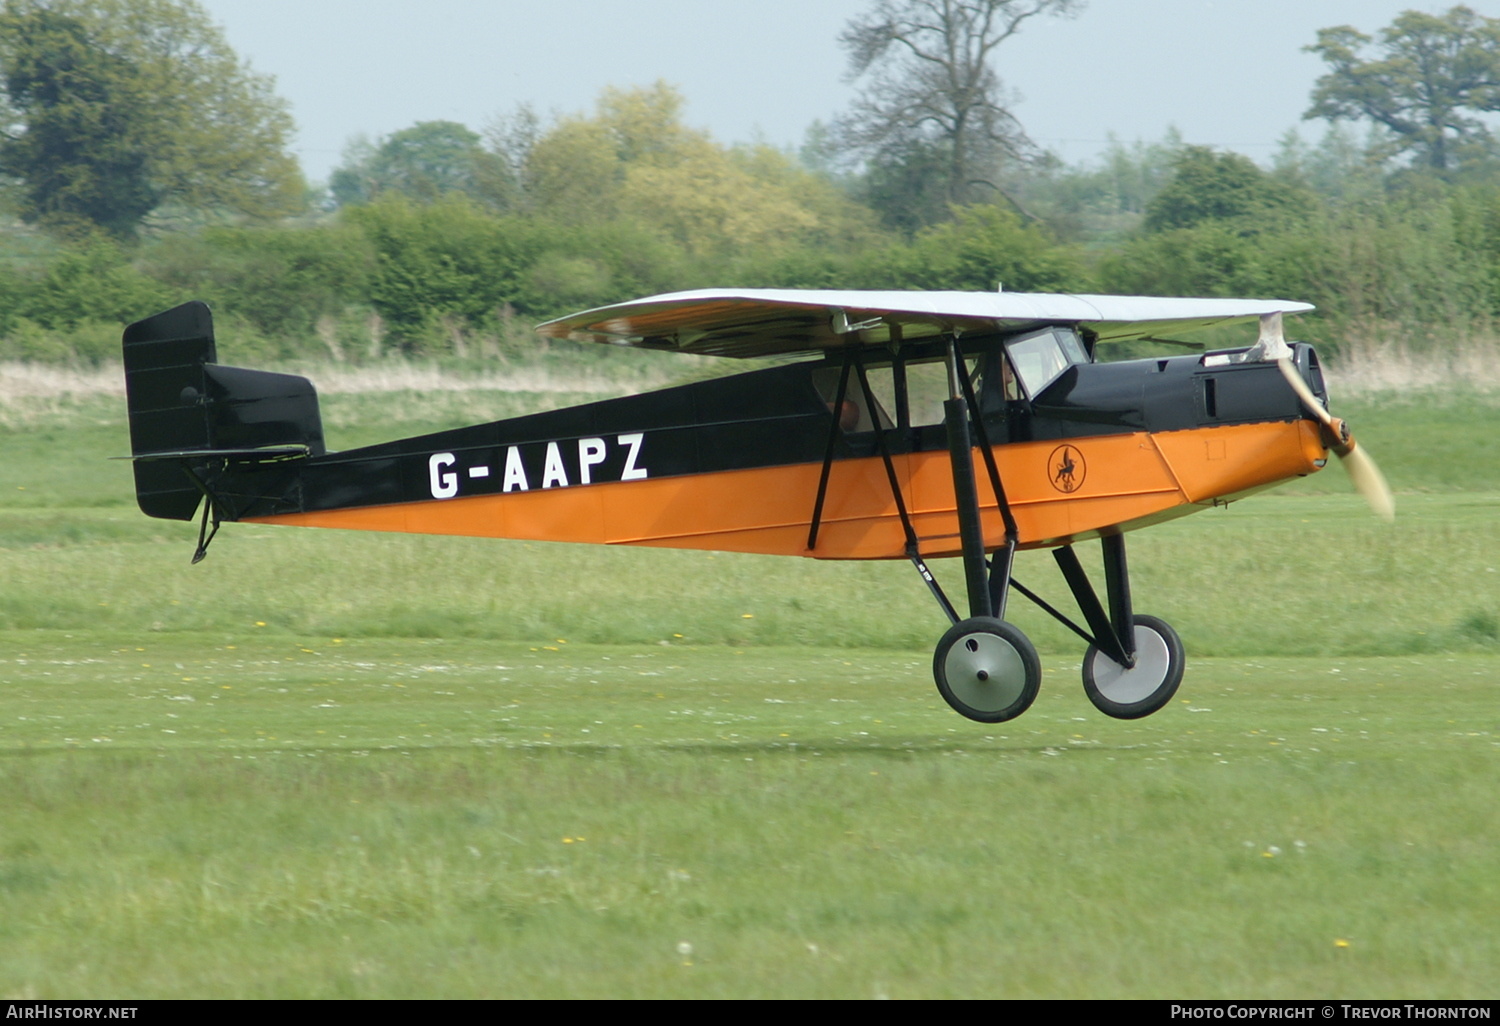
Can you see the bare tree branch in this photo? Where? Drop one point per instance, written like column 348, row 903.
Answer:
column 926, row 68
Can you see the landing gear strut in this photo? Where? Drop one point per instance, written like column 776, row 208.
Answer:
column 985, row 668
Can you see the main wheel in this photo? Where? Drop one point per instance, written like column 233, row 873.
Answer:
column 1129, row 694
column 987, row 669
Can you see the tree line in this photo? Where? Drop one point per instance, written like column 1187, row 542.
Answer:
column 127, row 195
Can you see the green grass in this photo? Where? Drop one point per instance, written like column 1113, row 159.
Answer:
column 1289, row 575
column 1424, row 441
column 404, row 818
column 328, row 764
column 1300, row 571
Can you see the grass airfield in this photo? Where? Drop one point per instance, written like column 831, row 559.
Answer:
column 338, row 765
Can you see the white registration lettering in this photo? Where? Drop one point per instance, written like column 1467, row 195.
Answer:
column 444, row 482
column 590, row 454
column 552, row 469
column 632, row 472
column 515, row 474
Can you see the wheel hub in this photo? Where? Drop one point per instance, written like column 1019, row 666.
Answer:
column 985, row 671
column 1127, row 684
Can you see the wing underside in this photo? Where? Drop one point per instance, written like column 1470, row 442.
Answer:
column 784, row 322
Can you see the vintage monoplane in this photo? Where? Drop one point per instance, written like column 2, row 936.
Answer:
column 869, row 442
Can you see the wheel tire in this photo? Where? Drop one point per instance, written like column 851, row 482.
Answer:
column 986, row 669
column 1146, row 686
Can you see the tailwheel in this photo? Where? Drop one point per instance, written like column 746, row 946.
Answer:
column 1140, row 690
column 987, row 669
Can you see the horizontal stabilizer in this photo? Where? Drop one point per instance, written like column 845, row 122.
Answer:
column 266, row 454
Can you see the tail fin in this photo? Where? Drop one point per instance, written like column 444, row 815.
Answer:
column 187, row 411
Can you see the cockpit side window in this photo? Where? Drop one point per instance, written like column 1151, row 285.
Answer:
column 855, row 417
column 1040, row 356
column 925, row 389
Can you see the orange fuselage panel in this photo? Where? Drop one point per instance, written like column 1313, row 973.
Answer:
column 1059, row 491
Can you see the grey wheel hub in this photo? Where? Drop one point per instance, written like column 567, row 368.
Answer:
column 1124, row 686
column 985, row 671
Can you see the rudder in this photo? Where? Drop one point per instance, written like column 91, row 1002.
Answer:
column 187, row 411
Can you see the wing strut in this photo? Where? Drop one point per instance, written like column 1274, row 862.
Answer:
column 852, row 361
column 833, row 438
column 913, row 552
column 885, row 456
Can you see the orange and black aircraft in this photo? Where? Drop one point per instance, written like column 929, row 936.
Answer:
column 895, row 425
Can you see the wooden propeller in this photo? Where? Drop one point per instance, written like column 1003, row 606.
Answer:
column 1365, row 475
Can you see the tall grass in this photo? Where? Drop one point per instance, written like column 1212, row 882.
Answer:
column 1383, row 361
column 1375, row 359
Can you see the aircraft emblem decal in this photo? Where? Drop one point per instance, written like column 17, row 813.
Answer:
column 1066, row 469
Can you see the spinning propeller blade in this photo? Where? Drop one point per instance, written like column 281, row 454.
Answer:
column 1363, row 473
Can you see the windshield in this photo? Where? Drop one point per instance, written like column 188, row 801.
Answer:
column 1042, row 355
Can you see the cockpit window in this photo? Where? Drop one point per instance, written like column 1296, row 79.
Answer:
column 855, row 416
column 926, row 389
column 1041, row 356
